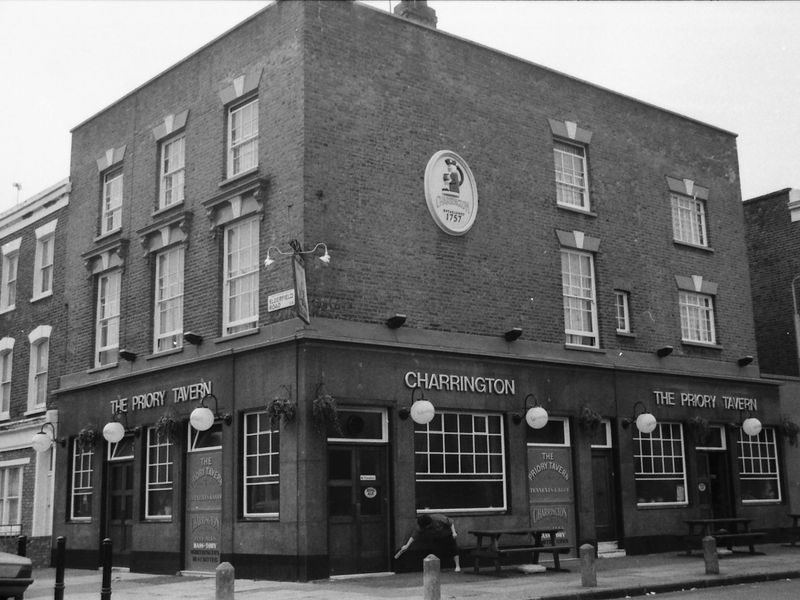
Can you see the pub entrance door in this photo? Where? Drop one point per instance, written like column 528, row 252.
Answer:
column 713, row 484
column 119, row 500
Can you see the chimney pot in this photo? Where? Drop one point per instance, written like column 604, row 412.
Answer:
column 417, row 11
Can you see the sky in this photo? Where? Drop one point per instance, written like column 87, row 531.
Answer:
column 733, row 65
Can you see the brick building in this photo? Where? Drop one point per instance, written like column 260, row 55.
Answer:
column 495, row 238
column 32, row 346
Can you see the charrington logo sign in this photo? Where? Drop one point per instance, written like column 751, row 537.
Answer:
column 450, row 192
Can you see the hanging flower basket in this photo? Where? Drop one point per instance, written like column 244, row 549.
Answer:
column 790, row 429
column 167, row 426
column 325, row 415
column 589, row 418
column 281, row 409
column 700, row 428
column 87, row 437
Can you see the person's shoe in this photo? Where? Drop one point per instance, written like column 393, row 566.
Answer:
column 458, row 569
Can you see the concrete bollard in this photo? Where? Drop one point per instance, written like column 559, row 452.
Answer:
column 588, row 566
column 225, row 581
column 431, row 571
column 710, row 555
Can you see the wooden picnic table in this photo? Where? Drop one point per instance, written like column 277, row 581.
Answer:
column 727, row 531
column 537, row 540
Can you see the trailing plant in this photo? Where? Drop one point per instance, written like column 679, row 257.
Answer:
column 700, row 428
column 87, row 437
column 324, row 413
column 790, row 429
column 167, row 426
column 281, row 409
column 589, row 418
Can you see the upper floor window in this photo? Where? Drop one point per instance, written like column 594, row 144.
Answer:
column 43, row 261
column 168, row 314
column 240, row 293
column 107, row 318
column 697, row 317
column 81, row 488
column 572, row 187
column 173, row 157
column 8, row 292
column 261, row 466
column 39, row 339
column 689, row 220
column 242, row 137
column 622, row 303
column 580, row 305
column 6, row 366
column 111, row 210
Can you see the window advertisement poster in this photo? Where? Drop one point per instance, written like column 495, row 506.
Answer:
column 204, row 510
column 551, row 492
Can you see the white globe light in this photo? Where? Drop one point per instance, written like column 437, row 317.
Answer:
column 201, row 418
column 536, row 417
column 646, row 423
column 752, row 426
column 113, row 432
column 422, row 412
column 41, row 441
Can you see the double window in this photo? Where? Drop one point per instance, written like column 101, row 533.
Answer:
column 261, row 460
column 81, row 488
column 240, row 293
column 697, row 317
column 660, row 466
column 158, row 484
column 172, row 167
column 758, row 466
column 688, row 220
column 580, row 305
column 242, row 137
column 111, row 209
column 107, row 324
column 8, row 291
column 572, row 188
column 168, row 317
column 460, row 463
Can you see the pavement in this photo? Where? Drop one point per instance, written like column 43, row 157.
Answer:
column 619, row 577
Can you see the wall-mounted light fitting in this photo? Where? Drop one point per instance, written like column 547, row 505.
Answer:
column 536, row 416
column 202, row 418
column 421, row 412
column 128, row 355
column 297, row 249
column 395, row 321
column 192, row 338
column 645, row 421
column 42, row 441
column 513, row 334
column 745, row 360
column 664, row 351
column 749, row 424
column 114, row 430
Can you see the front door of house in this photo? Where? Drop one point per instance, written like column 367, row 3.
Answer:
column 120, row 511
column 358, row 508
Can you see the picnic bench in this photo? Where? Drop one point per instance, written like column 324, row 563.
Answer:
column 728, row 532
column 489, row 545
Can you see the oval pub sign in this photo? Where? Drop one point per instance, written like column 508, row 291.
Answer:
column 450, row 192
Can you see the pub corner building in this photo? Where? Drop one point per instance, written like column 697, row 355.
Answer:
column 410, row 353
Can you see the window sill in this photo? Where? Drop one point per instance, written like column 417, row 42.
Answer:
column 158, row 520
column 584, row 348
column 626, row 334
column 102, row 368
column 42, row 296
column 575, row 209
column 234, row 336
column 239, row 176
column 260, row 518
column 107, row 234
column 693, row 246
column 701, row 345
column 660, row 505
column 40, row 410
column 7, row 309
column 169, row 352
column 165, row 209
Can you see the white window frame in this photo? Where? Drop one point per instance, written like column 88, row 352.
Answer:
column 564, row 424
column 723, row 445
column 11, row 518
column 240, row 269
column 197, row 439
column 168, row 304
column 579, row 299
column 663, row 466
column 8, row 292
column 43, row 261
column 758, row 461
column 689, row 220
column 6, row 372
column 622, row 304
column 107, row 317
column 437, row 428
column 261, row 468
column 242, row 137
column 697, row 317
column 571, row 174
column 111, row 207
column 39, row 361
column 159, row 472
column 172, row 169
column 81, row 481
column 605, row 426
column 384, row 417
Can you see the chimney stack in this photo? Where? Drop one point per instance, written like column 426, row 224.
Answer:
column 417, row 11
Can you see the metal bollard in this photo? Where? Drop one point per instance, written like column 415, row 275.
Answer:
column 58, row 588
column 22, row 546
column 225, row 581
column 431, row 586
column 588, row 566
column 105, row 558
column 710, row 555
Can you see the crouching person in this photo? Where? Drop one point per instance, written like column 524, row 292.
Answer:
column 435, row 534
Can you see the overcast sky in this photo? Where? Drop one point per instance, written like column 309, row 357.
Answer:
column 735, row 65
